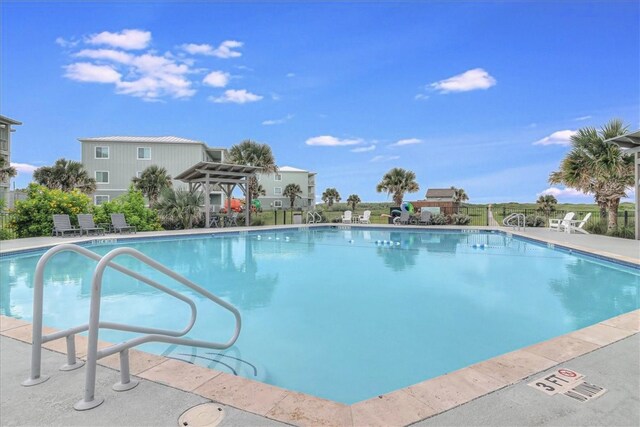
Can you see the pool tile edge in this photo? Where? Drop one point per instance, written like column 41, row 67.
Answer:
column 401, row 407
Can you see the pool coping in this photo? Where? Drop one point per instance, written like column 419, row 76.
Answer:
column 404, row 406
column 400, row 407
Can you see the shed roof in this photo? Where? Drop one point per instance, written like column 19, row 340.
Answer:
column 630, row 140
column 440, row 192
column 7, row 120
column 152, row 139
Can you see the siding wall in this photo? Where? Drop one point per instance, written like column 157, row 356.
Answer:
column 303, row 179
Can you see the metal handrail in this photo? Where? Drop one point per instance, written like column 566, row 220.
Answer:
column 521, row 221
column 314, row 217
column 153, row 334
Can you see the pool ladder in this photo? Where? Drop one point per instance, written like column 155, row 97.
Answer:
column 516, row 221
column 314, row 217
column 89, row 401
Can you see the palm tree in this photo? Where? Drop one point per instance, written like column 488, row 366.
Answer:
column 596, row 167
column 251, row 153
column 353, row 200
column 292, row 191
column 65, row 175
column 330, row 196
column 459, row 195
column 180, row 206
column 547, row 204
column 397, row 182
column 151, row 182
column 6, row 170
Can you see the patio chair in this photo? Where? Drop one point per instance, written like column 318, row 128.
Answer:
column 119, row 224
column 425, row 217
column 87, row 225
column 214, row 220
column 231, row 221
column 365, row 218
column 403, row 219
column 62, row 225
column 578, row 226
column 561, row 224
column 346, row 217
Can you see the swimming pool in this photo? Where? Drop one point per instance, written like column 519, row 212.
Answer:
column 335, row 312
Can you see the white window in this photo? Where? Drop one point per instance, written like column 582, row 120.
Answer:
column 138, row 174
column 277, row 177
column 98, row 200
column 144, row 153
column 102, row 152
column 277, row 204
column 102, row 177
column 277, row 191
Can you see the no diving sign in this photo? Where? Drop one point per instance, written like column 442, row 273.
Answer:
column 568, row 382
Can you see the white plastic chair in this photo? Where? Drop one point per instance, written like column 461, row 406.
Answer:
column 578, row 226
column 365, row 218
column 561, row 224
column 346, row 217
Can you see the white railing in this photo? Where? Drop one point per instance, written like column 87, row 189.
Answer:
column 89, row 400
column 314, row 217
column 516, row 221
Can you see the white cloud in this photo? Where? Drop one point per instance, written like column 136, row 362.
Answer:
column 106, row 54
column 86, row 72
column 582, row 118
column 474, row 79
column 24, row 167
column 216, row 79
column 408, row 141
column 563, row 192
column 225, row 50
column 561, row 137
column 66, row 43
column 421, row 97
column 278, row 121
column 384, row 158
column 126, row 39
column 291, row 75
column 241, row 96
column 331, row 141
column 363, row 149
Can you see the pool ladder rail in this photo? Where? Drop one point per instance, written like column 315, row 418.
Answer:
column 89, row 399
column 515, row 221
column 314, row 217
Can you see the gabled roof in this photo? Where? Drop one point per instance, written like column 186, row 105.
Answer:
column 7, row 120
column 440, row 193
column 141, row 139
column 290, row 169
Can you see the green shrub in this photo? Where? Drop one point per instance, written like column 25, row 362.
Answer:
column 5, row 234
column 33, row 216
column 132, row 205
column 460, row 219
column 439, row 219
column 256, row 222
column 624, row 232
column 596, row 227
column 535, row 221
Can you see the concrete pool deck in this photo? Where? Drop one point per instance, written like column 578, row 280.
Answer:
column 447, row 394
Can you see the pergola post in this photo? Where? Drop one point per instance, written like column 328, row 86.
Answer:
column 247, row 196
column 207, row 203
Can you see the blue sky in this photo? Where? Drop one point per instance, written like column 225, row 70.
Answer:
column 481, row 96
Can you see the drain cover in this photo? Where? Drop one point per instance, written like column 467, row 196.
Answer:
column 205, row 415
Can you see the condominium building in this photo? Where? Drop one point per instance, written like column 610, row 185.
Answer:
column 115, row 160
column 274, row 185
column 6, row 125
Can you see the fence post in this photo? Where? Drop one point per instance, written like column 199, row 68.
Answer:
column 487, row 215
column 626, row 219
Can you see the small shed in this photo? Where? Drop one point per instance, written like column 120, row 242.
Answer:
column 443, row 198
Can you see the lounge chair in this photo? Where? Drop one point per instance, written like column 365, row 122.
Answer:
column 365, row 218
column 119, row 224
column 403, row 218
column 578, row 225
column 346, row 217
column 62, row 225
column 561, row 224
column 87, row 225
column 425, row 217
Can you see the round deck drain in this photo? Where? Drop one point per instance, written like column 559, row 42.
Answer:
column 204, row 415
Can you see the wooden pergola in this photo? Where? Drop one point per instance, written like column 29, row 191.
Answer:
column 630, row 144
column 206, row 176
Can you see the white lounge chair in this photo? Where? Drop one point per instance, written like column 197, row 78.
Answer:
column 346, row 217
column 365, row 218
column 578, row 225
column 561, row 224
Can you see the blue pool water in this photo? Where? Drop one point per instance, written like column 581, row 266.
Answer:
column 331, row 313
